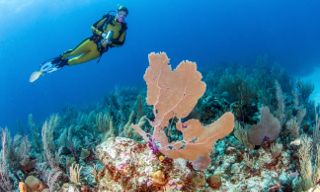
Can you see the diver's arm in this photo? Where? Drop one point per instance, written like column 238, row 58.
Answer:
column 95, row 27
column 119, row 41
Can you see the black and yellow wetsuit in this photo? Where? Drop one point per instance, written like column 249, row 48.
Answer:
column 93, row 47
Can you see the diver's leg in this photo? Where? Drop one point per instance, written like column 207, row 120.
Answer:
column 85, row 51
column 82, row 48
column 84, row 57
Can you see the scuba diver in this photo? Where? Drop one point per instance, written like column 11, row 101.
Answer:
column 108, row 32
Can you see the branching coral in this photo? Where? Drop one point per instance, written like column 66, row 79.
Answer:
column 173, row 94
column 47, row 138
column 5, row 181
column 309, row 157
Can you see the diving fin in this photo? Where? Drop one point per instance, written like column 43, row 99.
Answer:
column 34, row 76
column 47, row 67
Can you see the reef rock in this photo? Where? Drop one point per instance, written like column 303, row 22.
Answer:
column 130, row 166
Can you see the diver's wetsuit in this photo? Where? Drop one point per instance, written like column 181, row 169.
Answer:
column 92, row 48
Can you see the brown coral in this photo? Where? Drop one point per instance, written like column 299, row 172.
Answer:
column 32, row 183
column 214, row 181
column 158, row 178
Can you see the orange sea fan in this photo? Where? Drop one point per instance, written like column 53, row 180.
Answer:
column 174, row 94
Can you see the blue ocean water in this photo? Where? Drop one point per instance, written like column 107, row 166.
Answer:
column 209, row 32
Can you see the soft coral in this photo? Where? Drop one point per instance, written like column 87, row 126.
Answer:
column 174, row 93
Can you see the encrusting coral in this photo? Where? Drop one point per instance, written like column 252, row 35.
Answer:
column 130, row 166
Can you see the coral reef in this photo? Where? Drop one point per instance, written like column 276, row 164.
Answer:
column 130, row 166
column 241, row 128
